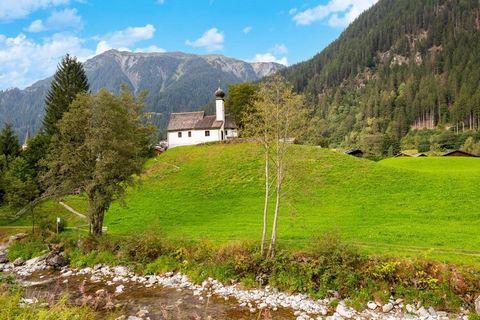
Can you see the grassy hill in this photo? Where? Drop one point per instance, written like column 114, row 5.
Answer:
column 398, row 206
column 426, row 207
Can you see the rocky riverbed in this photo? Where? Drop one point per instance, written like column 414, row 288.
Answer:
column 174, row 295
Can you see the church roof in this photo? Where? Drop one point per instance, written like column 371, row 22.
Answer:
column 197, row 121
column 184, row 120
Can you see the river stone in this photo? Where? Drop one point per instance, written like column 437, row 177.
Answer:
column 121, row 271
column 432, row 312
column 18, row 262
column 18, row 236
column 3, row 257
column 387, row 307
column 410, row 308
column 422, row 312
column 371, row 305
column 477, row 305
column 119, row 289
column 344, row 312
column 57, row 260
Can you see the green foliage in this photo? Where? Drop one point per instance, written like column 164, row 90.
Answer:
column 27, row 248
column 9, row 146
column 161, row 265
column 20, row 184
column 69, row 80
column 101, row 144
column 386, row 270
column 240, row 99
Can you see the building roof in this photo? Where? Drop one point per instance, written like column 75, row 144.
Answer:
column 458, row 153
column 184, row 120
column 198, row 121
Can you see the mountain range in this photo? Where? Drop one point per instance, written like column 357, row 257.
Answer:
column 175, row 81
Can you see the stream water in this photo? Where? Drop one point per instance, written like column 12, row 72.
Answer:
column 160, row 302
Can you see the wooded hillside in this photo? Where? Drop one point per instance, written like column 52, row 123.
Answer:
column 401, row 65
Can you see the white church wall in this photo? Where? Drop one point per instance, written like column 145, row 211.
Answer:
column 198, row 136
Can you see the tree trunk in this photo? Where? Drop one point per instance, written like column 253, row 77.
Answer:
column 33, row 220
column 98, row 226
column 265, row 208
column 271, row 250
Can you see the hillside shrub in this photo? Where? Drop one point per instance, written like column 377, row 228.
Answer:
column 27, row 248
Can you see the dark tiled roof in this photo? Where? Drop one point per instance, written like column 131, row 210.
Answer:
column 208, row 122
column 230, row 122
column 198, row 121
column 459, row 153
column 184, row 120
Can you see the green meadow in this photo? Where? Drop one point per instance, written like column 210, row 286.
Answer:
column 421, row 207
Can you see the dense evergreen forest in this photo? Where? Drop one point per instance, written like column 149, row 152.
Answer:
column 402, row 66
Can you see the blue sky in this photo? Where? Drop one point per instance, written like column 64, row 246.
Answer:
column 35, row 34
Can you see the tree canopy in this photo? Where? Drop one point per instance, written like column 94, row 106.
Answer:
column 101, row 144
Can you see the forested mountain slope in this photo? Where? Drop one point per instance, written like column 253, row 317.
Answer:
column 401, row 65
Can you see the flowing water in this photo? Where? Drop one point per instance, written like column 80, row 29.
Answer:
column 161, row 302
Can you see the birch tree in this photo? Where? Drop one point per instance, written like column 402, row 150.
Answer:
column 278, row 117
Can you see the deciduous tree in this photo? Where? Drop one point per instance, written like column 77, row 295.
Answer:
column 99, row 148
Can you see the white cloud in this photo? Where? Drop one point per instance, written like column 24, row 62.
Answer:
column 152, row 48
column 125, row 38
column 212, row 40
column 338, row 13
column 58, row 20
column 15, row 9
column 279, row 49
column 247, row 29
column 22, row 60
column 268, row 57
column 36, row 26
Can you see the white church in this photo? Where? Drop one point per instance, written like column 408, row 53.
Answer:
column 187, row 128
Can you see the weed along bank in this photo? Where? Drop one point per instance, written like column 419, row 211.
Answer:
column 189, row 128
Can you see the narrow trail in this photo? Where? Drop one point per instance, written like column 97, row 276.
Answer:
column 78, row 214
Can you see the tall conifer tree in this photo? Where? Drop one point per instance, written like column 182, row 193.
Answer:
column 9, row 145
column 69, row 80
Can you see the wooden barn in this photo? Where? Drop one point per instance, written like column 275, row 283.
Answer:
column 401, row 155
column 458, row 153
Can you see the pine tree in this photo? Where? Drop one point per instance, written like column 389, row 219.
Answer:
column 69, row 80
column 9, row 145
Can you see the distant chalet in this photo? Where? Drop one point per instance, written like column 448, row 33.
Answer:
column 188, row 128
column 458, row 153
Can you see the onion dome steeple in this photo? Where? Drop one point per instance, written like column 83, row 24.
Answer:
column 219, row 93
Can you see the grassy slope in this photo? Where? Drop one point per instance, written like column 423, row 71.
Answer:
column 410, row 205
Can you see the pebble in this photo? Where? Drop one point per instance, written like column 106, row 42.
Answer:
column 119, row 289
column 387, row 307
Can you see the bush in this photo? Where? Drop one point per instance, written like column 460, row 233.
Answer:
column 27, row 248
column 161, row 265
column 48, row 225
